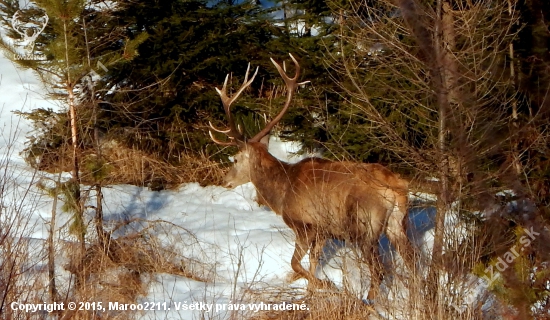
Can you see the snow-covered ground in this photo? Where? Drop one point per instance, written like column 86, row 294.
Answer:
column 240, row 245
column 20, row 90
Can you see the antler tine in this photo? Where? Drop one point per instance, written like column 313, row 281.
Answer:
column 246, row 84
column 291, row 84
column 218, row 130
column 15, row 23
column 232, row 142
column 45, row 23
column 234, row 132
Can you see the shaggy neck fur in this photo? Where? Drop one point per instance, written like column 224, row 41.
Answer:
column 272, row 191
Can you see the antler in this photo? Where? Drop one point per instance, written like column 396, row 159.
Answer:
column 31, row 38
column 291, row 84
column 44, row 24
column 233, row 132
column 15, row 23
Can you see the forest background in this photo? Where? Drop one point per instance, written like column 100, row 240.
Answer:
column 452, row 94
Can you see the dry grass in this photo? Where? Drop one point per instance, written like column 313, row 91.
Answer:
column 20, row 276
column 22, row 258
column 343, row 305
column 130, row 166
column 405, row 294
column 138, row 168
column 321, row 305
column 120, row 269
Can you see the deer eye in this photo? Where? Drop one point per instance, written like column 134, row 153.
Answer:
column 235, row 161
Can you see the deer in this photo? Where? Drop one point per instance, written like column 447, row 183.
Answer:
column 318, row 199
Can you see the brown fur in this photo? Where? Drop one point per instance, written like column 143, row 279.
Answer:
column 321, row 199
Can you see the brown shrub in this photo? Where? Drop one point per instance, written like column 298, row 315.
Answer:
column 123, row 165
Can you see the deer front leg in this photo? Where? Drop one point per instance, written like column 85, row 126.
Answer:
column 300, row 249
column 397, row 234
column 304, row 242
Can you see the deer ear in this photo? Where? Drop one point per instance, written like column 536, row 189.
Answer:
column 265, row 140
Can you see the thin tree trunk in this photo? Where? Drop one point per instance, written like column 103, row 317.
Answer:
column 99, row 216
column 516, row 164
column 51, row 245
column 74, row 138
column 99, row 193
column 75, row 170
column 74, row 135
column 101, row 235
column 445, row 83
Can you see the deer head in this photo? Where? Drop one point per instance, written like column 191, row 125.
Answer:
column 28, row 30
column 240, row 173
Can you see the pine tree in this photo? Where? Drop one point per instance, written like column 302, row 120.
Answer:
column 67, row 69
column 307, row 30
column 167, row 93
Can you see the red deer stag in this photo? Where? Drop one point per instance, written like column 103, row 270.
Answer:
column 318, row 199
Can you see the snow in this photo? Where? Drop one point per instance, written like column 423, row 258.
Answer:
column 20, row 90
column 225, row 236
column 227, row 224
column 244, row 243
column 288, row 151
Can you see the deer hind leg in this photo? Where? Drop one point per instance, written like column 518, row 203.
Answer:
column 314, row 255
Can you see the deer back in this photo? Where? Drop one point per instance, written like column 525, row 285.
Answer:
column 342, row 199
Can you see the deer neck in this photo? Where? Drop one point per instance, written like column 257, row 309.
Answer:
column 270, row 177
